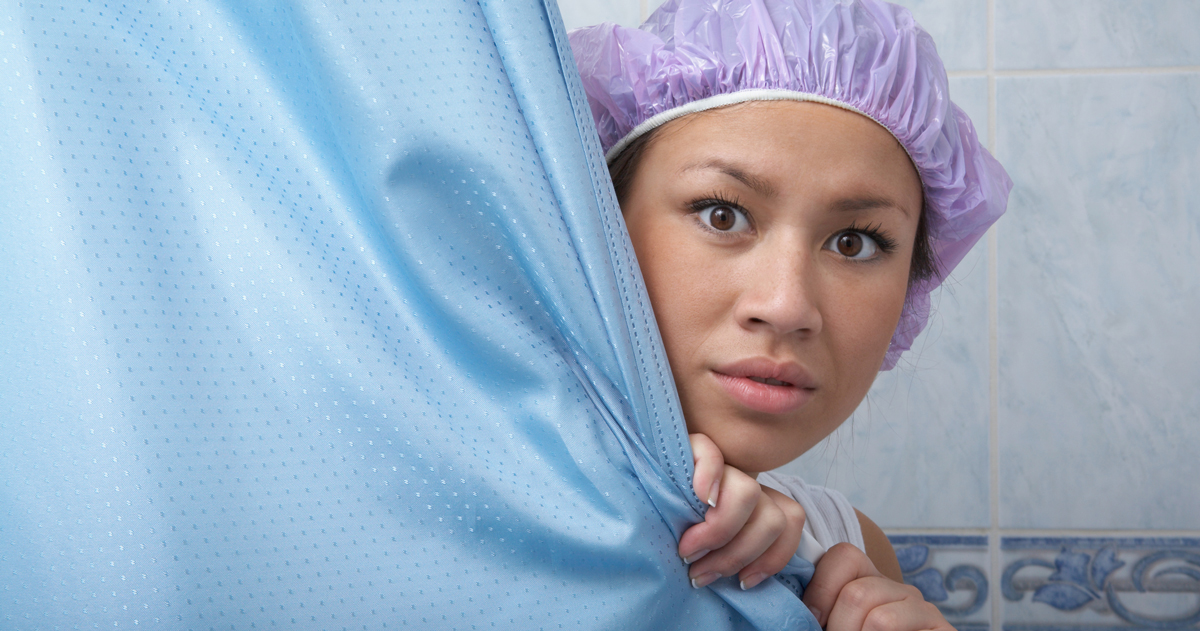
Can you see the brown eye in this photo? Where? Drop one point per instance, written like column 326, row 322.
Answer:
column 722, row 218
column 853, row 244
column 849, row 244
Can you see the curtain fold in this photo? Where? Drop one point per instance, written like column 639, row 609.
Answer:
column 322, row 315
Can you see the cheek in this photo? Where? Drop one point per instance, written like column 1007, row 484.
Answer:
column 682, row 295
column 861, row 331
column 875, row 322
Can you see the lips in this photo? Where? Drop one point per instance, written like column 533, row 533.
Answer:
column 766, row 386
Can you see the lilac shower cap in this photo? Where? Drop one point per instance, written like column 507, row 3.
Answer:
column 865, row 56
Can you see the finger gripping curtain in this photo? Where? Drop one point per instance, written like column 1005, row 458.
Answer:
column 321, row 315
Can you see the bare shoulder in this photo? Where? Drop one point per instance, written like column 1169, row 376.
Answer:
column 879, row 549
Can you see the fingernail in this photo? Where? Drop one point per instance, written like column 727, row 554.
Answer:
column 713, row 492
column 751, row 581
column 695, row 557
column 816, row 614
column 704, row 579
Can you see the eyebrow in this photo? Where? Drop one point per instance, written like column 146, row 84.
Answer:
column 765, row 189
column 756, row 184
column 867, row 203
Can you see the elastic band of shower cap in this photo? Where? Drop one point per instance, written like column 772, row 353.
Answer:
column 865, row 56
column 723, row 100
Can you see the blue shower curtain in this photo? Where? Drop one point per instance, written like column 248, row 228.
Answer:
column 321, row 315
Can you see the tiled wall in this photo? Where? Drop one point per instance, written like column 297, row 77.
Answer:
column 1037, row 461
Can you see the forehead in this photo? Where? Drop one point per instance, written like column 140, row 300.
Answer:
column 781, row 135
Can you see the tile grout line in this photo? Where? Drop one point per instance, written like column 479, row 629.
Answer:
column 1053, row 533
column 993, row 538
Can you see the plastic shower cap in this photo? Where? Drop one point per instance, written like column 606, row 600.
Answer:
column 866, row 56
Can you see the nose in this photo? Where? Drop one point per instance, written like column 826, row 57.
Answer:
column 781, row 294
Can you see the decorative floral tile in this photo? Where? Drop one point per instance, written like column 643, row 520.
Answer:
column 1060, row 583
column 951, row 572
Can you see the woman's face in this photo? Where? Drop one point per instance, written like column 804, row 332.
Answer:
column 775, row 240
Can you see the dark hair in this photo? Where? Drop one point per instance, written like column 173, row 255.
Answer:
column 625, row 165
column 623, row 168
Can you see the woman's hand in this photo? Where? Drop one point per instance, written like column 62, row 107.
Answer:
column 750, row 530
column 847, row 593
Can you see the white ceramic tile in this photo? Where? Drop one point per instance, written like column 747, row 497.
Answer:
column 915, row 453
column 959, row 27
column 1096, row 34
column 971, row 94
column 1099, row 296
column 577, row 13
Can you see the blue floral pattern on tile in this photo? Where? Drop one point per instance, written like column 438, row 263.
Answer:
column 914, row 554
column 1076, row 581
column 1086, row 575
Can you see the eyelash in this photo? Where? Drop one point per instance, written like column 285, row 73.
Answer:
column 885, row 243
column 717, row 199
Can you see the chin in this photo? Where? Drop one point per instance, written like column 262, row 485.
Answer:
column 753, row 464
column 754, row 450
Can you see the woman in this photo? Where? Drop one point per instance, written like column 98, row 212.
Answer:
column 795, row 182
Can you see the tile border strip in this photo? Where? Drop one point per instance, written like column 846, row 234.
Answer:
column 951, row 571
column 1059, row 583
column 1048, row 583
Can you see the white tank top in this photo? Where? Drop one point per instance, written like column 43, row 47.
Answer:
column 830, row 518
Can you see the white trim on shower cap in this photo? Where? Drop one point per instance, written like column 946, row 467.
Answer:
column 731, row 98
